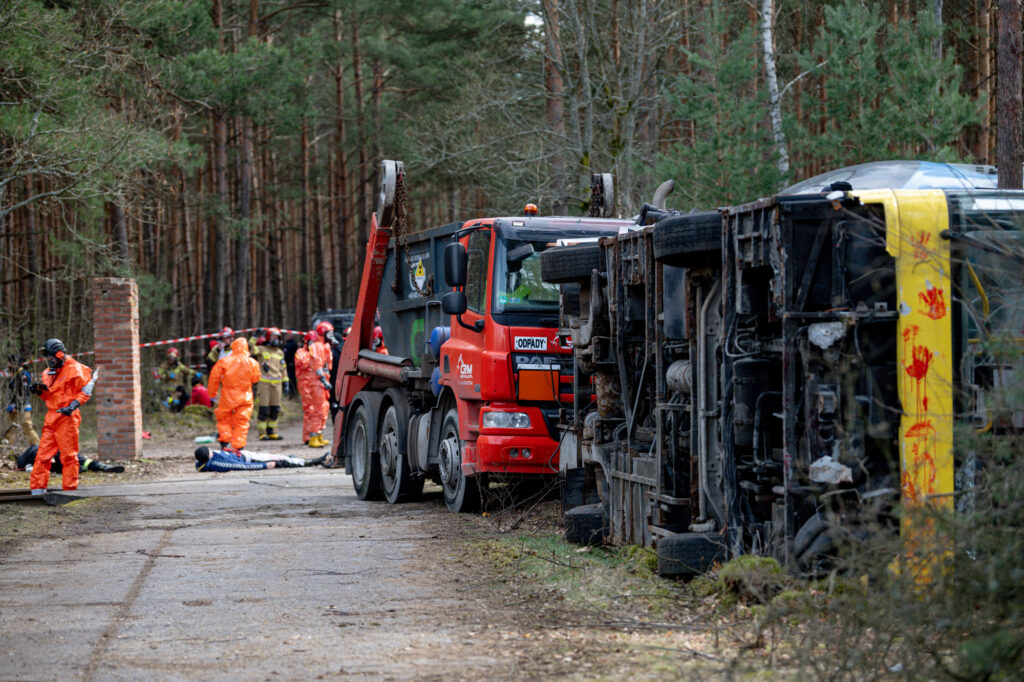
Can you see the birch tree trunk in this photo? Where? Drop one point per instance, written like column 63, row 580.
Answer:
column 775, row 103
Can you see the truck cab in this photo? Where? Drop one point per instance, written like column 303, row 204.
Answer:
column 476, row 371
column 505, row 363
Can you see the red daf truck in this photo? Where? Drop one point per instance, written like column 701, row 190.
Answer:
column 476, row 372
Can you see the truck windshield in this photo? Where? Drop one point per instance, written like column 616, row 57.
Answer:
column 518, row 287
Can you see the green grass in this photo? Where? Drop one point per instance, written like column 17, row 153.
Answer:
column 602, row 578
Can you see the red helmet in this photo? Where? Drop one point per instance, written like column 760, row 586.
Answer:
column 309, row 336
column 226, row 332
column 172, row 351
column 213, row 344
column 323, row 327
column 273, row 331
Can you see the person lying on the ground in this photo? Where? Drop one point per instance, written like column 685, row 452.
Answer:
column 27, row 458
column 230, row 459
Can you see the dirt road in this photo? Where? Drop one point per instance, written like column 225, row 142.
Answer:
column 243, row 578
column 245, row 575
column 286, row 574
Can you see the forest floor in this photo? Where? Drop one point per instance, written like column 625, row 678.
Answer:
column 167, row 572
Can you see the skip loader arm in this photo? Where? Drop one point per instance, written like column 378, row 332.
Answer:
column 350, row 380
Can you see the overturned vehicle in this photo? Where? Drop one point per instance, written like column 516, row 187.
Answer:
column 752, row 379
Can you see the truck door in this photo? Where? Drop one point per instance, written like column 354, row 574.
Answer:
column 465, row 357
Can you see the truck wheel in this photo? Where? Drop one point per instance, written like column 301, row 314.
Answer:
column 395, row 478
column 688, row 240
column 572, row 263
column 685, row 555
column 813, row 545
column 390, row 171
column 586, row 524
column 365, row 467
column 461, row 493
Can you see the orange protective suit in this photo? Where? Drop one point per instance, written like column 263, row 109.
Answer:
column 322, row 350
column 314, row 396
column 233, row 376
column 63, row 384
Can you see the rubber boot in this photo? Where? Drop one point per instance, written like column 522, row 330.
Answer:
column 107, row 468
column 314, row 440
column 272, row 433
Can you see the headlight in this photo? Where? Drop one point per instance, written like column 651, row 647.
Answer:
column 506, row 420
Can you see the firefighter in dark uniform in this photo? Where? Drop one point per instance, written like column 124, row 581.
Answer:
column 18, row 404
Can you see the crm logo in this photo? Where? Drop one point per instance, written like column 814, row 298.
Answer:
column 464, row 369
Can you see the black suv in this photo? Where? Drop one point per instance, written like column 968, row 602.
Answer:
column 341, row 318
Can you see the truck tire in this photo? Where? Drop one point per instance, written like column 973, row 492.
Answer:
column 813, row 545
column 461, row 492
column 808, row 532
column 686, row 555
column 359, row 440
column 817, row 557
column 586, row 524
column 572, row 263
column 688, row 240
column 396, row 480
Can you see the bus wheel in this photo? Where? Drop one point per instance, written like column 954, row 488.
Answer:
column 461, row 494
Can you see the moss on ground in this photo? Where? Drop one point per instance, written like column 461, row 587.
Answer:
column 601, row 578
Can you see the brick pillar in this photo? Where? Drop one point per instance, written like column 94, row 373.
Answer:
column 118, row 394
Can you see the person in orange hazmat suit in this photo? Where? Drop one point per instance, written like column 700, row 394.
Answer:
column 233, row 376
column 322, row 347
column 310, row 373
column 67, row 384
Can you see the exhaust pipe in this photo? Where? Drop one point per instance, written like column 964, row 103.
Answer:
column 660, row 194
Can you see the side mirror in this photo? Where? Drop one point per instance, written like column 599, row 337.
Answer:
column 455, row 262
column 454, row 302
column 516, row 256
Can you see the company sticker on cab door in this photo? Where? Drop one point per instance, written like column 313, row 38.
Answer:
column 531, row 343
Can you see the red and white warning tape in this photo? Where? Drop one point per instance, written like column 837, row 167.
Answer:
column 183, row 339
column 210, row 336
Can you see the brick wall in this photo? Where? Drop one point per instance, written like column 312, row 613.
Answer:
column 118, row 393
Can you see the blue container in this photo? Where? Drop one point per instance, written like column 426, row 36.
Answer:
column 437, row 338
column 435, row 381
